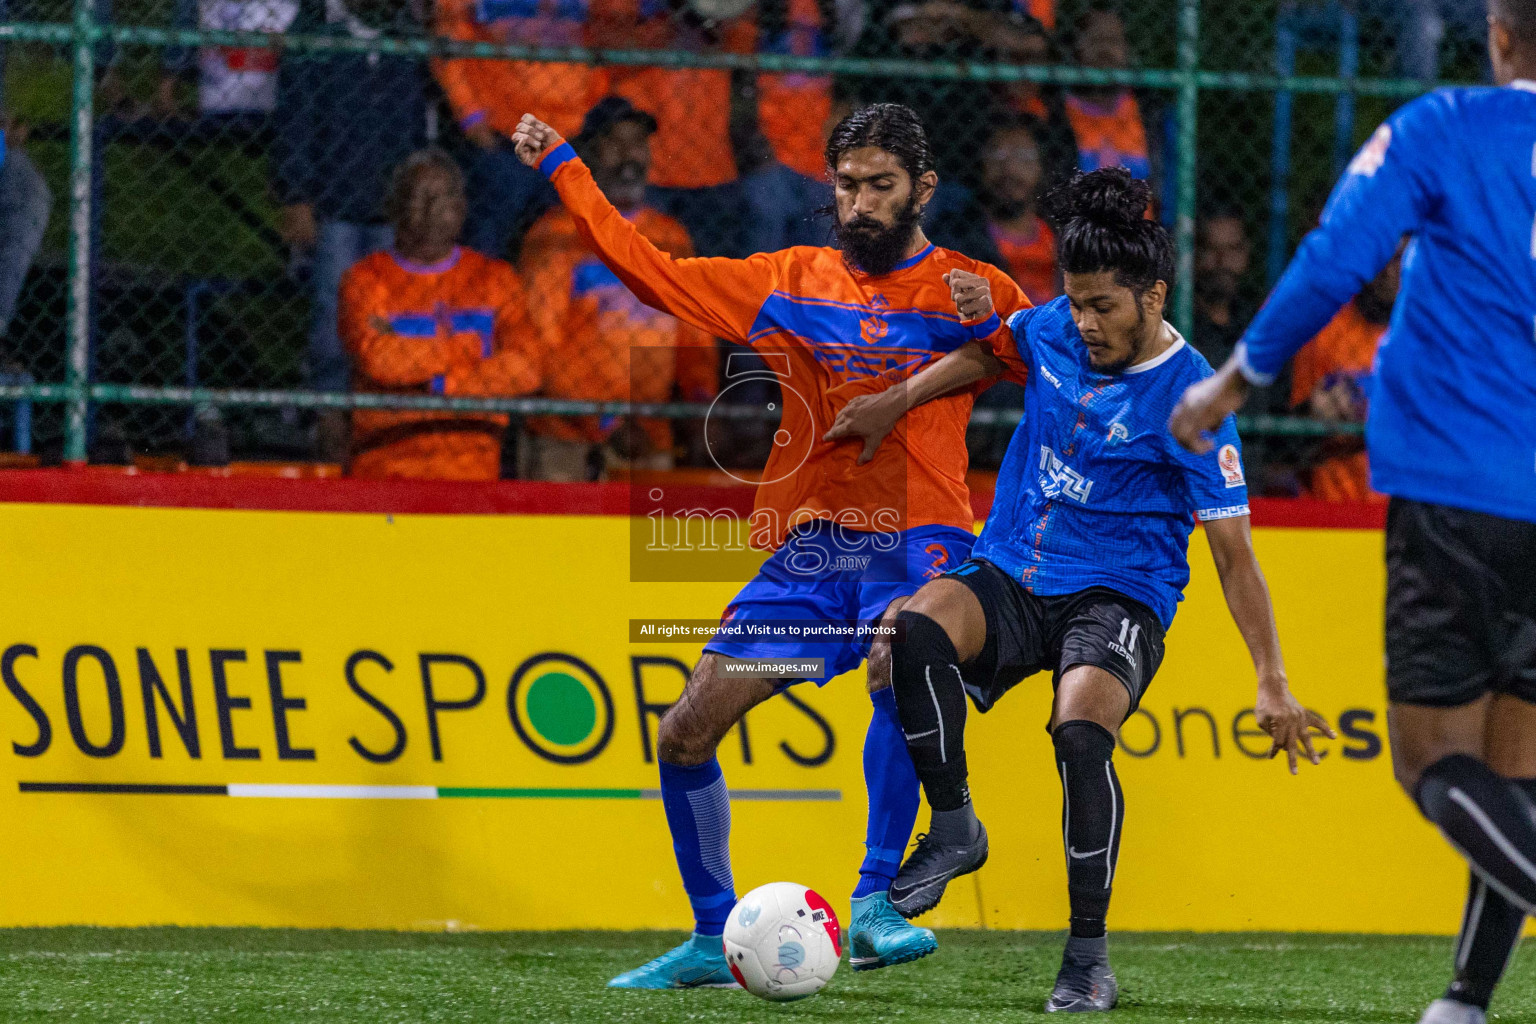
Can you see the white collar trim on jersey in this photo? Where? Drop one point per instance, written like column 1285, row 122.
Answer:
column 1168, row 353
column 1524, row 85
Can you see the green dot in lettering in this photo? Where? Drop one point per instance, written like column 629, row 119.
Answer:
column 561, row 709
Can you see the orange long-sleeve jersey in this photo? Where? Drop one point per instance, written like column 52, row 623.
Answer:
column 459, row 327
column 598, row 341
column 827, row 333
column 497, row 92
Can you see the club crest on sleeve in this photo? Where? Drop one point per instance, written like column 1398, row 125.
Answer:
column 1231, row 465
column 1373, row 154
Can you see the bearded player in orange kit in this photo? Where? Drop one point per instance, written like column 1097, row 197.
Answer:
column 854, row 532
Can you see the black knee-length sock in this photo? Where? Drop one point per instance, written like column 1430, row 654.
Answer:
column 930, row 701
column 1092, row 813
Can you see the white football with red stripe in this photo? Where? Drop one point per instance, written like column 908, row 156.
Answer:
column 783, row 941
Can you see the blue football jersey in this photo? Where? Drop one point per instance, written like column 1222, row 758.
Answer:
column 1453, row 404
column 1094, row 490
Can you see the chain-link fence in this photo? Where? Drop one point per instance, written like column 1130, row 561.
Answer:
column 208, row 251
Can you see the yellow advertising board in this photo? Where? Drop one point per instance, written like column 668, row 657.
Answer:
column 437, row 720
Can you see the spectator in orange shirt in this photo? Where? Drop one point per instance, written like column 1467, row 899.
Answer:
column 432, row 317
column 1011, row 173
column 794, row 113
column 1331, row 381
column 488, row 96
column 599, row 342
column 1045, row 104
column 1001, row 226
column 1107, row 120
column 694, row 176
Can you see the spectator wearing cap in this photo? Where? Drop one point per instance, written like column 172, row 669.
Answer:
column 489, row 96
column 343, row 122
column 694, row 174
column 598, row 341
column 432, row 317
column 790, row 187
column 1107, row 120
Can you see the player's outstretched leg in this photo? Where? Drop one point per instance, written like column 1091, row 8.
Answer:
column 698, row 809
column 930, row 698
column 878, row 936
column 1092, row 812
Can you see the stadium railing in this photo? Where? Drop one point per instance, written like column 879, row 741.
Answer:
column 83, row 37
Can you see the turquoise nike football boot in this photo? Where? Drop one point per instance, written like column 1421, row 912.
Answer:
column 879, row 937
column 697, row 963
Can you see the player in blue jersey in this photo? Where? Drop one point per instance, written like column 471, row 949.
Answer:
column 1452, row 439
column 1083, row 559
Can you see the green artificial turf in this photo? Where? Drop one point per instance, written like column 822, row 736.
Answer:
column 168, row 974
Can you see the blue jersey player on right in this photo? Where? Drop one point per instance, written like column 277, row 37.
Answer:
column 1083, row 560
column 1452, row 439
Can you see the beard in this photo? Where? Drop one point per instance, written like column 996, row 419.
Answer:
column 876, row 248
column 1138, row 346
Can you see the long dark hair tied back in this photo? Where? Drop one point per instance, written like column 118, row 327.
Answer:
column 1101, row 226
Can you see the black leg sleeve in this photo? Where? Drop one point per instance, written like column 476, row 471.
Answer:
column 1490, row 931
column 1488, row 819
column 1092, row 813
column 930, row 700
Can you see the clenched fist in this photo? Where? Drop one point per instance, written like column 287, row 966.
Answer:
column 533, row 138
column 972, row 294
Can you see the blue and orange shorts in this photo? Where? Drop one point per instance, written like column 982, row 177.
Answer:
column 826, row 574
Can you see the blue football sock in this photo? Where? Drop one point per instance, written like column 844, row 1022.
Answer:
column 891, row 782
column 699, row 815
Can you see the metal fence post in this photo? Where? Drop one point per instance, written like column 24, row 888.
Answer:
column 81, row 155
column 1189, row 112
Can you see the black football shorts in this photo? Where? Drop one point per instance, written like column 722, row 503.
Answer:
column 1461, row 605
column 1029, row 633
